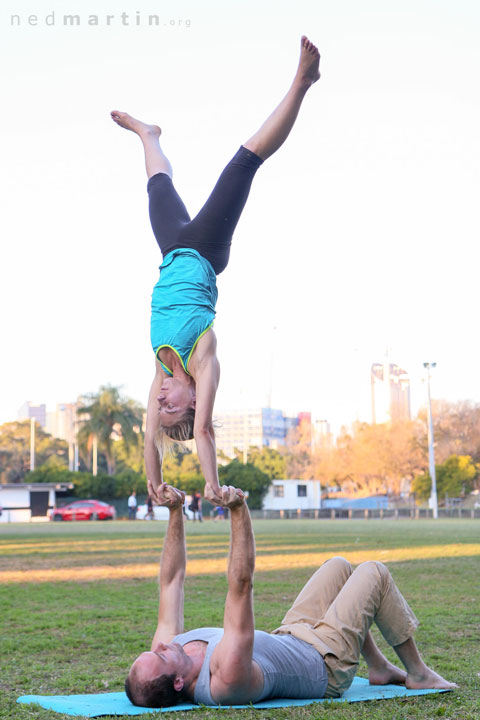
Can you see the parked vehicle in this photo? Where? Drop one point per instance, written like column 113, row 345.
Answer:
column 159, row 513
column 162, row 513
column 84, row 510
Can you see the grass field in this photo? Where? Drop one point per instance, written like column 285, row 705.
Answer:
column 78, row 602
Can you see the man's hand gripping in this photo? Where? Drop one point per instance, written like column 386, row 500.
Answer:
column 226, row 496
column 167, row 496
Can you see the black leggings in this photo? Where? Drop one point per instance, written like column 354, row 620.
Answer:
column 210, row 232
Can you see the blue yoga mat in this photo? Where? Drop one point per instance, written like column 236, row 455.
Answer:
column 117, row 703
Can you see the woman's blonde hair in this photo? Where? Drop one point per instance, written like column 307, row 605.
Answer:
column 180, row 432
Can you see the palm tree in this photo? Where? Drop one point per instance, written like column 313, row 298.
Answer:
column 107, row 415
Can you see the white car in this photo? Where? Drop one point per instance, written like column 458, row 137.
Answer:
column 161, row 513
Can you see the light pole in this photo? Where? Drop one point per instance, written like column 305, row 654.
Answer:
column 431, row 453
column 32, row 444
column 94, row 455
column 272, row 360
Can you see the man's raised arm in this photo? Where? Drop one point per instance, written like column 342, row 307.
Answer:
column 232, row 671
column 172, row 567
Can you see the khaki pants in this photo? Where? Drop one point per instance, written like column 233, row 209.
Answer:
column 334, row 612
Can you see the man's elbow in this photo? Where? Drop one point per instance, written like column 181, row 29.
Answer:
column 174, row 580
column 242, row 585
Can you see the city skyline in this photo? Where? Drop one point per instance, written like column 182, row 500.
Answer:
column 48, row 408
column 386, row 404
column 390, row 392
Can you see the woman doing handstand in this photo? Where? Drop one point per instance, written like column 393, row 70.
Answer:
column 181, row 399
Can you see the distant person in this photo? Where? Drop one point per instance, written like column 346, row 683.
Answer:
column 150, row 514
column 132, row 506
column 187, row 371
column 315, row 651
column 196, row 506
column 199, row 503
column 219, row 512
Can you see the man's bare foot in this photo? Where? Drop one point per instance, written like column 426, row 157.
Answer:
column 308, row 66
column 386, row 674
column 428, row 679
column 130, row 123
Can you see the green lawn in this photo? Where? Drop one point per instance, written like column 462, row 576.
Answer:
column 78, row 602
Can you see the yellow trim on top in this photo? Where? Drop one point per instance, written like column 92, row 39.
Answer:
column 160, row 347
column 196, row 341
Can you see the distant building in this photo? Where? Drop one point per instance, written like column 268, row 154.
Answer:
column 307, row 495
column 315, row 433
column 390, row 387
column 293, row 495
column 262, row 427
column 29, row 502
column 321, row 433
column 39, row 412
column 62, row 422
column 266, row 427
column 305, row 418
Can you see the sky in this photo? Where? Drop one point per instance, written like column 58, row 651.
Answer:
column 360, row 236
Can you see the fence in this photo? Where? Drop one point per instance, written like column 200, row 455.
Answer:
column 344, row 514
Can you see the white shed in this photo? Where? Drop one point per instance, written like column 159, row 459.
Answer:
column 28, row 502
column 293, row 495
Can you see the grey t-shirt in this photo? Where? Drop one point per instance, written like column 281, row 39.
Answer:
column 291, row 668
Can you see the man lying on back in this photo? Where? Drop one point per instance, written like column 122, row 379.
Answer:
column 313, row 654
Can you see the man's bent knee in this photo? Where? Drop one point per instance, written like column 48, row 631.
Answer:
column 382, row 569
column 340, row 563
column 376, row 569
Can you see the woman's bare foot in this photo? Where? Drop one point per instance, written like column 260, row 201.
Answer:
column 308, row 66
column 386, row 674
column 428, row 679
column 130, row 123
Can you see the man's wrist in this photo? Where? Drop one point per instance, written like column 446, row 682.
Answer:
column 176, row 509
column 240, row 508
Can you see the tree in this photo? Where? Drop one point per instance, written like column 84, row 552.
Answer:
column 455, row 478
column 15, row 450
column 381, row 458
column 190, row 476
column 86, row 485
column 128, row 456
column 456, row 429
column 299, row 453
column 269, row 461
column 108, row 415
column 248, row 478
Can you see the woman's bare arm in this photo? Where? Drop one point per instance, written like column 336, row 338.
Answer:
column 153, row 463
column 207, row 376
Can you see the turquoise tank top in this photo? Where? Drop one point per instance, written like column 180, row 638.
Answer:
column 183, row 304
column 291, row 667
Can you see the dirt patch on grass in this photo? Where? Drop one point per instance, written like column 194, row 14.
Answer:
column 209, row 566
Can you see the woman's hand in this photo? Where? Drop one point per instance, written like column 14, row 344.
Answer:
column 153, row 491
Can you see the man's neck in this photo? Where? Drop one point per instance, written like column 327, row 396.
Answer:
column 196, row 652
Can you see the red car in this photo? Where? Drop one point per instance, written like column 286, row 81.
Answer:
column 84, row 510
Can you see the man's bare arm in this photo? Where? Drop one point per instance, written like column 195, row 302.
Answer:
column 233, row 677
column 172, row 567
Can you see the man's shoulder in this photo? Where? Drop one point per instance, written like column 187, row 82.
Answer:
column 207, row 634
